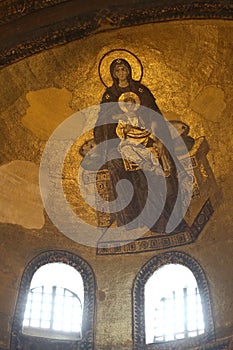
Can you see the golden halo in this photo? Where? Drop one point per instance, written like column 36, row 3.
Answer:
column 108, row 57
column 129, row 102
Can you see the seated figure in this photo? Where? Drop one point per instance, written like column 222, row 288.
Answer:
column 138, row 146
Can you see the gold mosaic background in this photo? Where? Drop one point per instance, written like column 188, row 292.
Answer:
column 188, row 67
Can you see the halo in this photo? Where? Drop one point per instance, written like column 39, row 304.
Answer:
column 129, row 106
column 108, row 57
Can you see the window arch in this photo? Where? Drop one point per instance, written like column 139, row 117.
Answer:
column 55, row 306
column 185, row 331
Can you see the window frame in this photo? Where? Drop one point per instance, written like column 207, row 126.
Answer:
column 138, row 304
column 34, row 330
column 21, row 340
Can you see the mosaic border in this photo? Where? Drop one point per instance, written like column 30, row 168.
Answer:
column 160, row 242
column 146, row 271
column 11, row 10
column 20, row 341
column 113, row 17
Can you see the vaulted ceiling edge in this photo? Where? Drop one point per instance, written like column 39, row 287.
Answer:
column 10, row 10
column 78, row 25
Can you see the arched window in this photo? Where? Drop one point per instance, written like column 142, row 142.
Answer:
column 173, row 308
column 55, row 306
column 55, row 303
column 171, row 304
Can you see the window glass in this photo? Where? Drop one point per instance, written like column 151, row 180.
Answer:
column 173, row 308
column 55, row 302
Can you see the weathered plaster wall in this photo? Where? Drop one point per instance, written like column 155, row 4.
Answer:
column 188, row 67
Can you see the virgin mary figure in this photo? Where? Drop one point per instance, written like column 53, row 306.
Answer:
column 155, row 124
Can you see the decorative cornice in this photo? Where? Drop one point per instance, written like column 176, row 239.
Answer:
column 81, row 25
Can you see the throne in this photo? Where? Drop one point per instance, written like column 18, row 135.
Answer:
column 204, row 184
column 205, row 197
